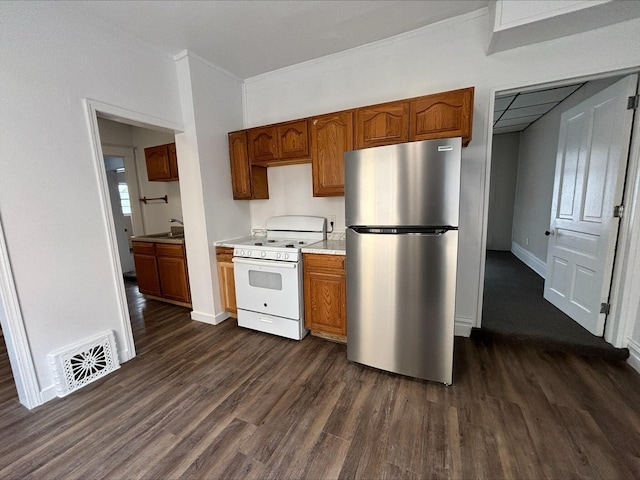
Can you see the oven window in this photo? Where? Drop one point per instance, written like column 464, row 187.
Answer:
column 270, row 280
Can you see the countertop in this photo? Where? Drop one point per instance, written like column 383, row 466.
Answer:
column 327, row 247
column 166, row 237
column 331, row 246
column 232, row 242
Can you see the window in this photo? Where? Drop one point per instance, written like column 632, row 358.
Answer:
column 125, row 201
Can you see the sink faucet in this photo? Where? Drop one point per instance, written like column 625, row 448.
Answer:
column 175, row 220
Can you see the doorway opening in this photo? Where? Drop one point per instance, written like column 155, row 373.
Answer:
column 119, row 193
column 523, row 166
column 128, row 186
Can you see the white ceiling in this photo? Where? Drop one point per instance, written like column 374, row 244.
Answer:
column 248, row 38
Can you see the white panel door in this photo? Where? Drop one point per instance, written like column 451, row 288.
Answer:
column 590, row 171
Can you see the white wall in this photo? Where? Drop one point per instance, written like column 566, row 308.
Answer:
column 212, row 106
column 155, row 214
column 502, row 194
column 436, row 58
column 536, row 171
column 52, row 210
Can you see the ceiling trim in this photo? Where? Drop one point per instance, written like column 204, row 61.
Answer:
column 189, row 54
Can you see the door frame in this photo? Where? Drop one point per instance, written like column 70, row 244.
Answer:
column 15, row 334
column 95, row 109
column 624, row 296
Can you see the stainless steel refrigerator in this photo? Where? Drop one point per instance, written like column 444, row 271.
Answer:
column 401, row 212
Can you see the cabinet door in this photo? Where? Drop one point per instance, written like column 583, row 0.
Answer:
column 247, row 181
column 173, row 161
column 227, row 287
column 240, row 168
column 263, row 144
column 331, row 136
column 442, row 115
column 157, row 159
column 325, row 294
column 226, row 279
column 147, row 274
column 173, row 278
column 293, row 140
column 386, row 124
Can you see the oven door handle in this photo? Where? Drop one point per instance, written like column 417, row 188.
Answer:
column 264, row 263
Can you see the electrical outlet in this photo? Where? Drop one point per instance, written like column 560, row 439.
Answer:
column 526, row 242
column 332, row 221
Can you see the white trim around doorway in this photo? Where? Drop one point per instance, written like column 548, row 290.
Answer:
column 94, row 109
column 15, row 335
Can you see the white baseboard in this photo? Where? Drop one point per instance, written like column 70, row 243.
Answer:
column 634, row 354
column 529, row 259
column 210, row 319
column 463, row 326
column 48, row 393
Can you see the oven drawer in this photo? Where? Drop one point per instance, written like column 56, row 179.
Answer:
column 284, row 327
column 270, row 287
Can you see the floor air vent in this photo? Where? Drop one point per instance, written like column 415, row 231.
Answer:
column 79, row 364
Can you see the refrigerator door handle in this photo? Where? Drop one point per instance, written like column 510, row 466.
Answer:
column 402, row 230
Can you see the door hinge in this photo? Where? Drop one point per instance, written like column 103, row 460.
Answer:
column 604, row 308
column 618, row 211
column 633, row 102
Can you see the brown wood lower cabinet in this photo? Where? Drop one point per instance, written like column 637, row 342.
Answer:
column 325, row 295
column 144, row 256
column 161, row 270
column 172, row 269
column 226, row 279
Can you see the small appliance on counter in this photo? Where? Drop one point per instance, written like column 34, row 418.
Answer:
column 268, row 275
column 401, row 205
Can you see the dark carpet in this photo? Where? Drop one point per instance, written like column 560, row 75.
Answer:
column 514, row 308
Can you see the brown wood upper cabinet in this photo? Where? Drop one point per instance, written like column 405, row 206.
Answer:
column 162, row 163
column 331, row 136
column 247, row 181
column 324, row 139
column 293, row 140
column 280, row 144
column 263, row 144
column 442, row 115
column 384, row 124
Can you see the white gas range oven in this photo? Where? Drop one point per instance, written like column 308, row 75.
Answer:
column 268, row 275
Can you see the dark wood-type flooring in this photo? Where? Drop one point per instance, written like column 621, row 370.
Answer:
column 514, row 305
column 202, row 401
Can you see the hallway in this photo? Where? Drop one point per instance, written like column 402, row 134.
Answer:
column 514, row 306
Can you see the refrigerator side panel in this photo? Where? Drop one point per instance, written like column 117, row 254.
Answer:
column 416, row 183
column 401, row 301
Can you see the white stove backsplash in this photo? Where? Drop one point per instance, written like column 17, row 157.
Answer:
column 336, row 236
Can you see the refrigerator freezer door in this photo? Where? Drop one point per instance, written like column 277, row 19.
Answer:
column 415, row 183
column 400, row 302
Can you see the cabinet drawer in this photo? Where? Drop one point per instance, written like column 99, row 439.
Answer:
column 169, row 250
column 327, row 262
column 147, row 248
column 224, row 254
column 224, row 258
